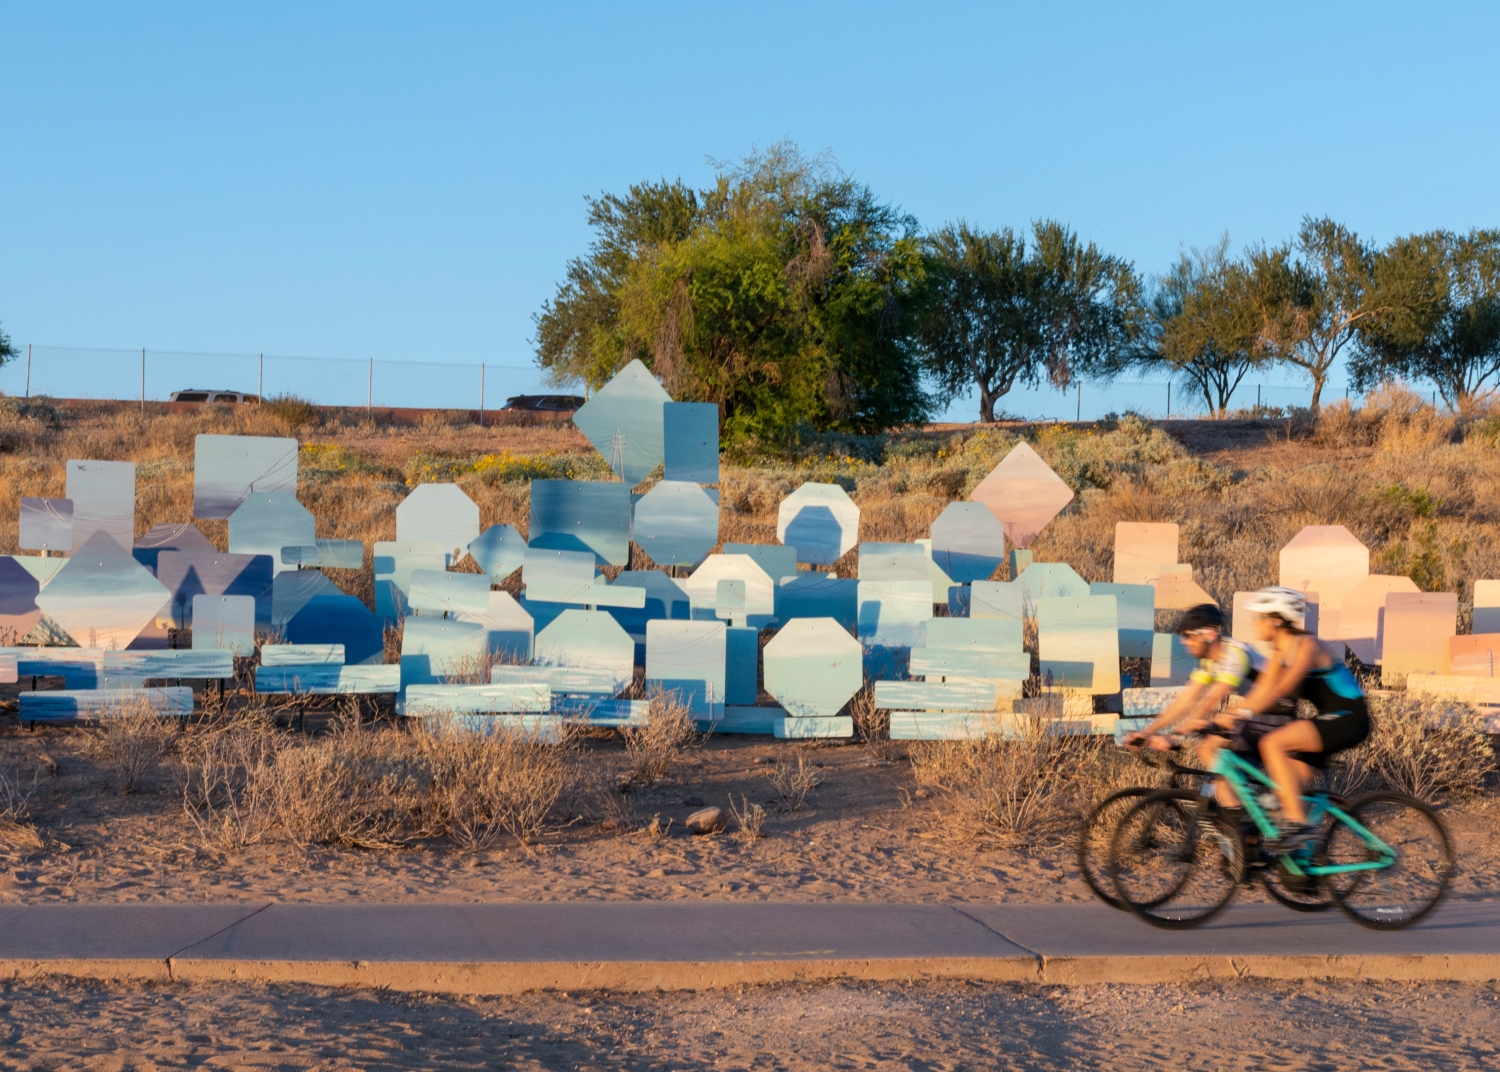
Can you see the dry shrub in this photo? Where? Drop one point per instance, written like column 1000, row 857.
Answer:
column 506, row 781
column 749, row 819
column 1426, row 748
column 227, row 777
column 793, row 781
column 655, row 748
column 295, row 412
column 872, row 724
column 133, row 740
column 1016, row 786
column 16, row 791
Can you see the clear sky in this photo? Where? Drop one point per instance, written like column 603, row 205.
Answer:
column 406, row 181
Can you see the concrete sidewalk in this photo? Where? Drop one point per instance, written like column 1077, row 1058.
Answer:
column 507, row 948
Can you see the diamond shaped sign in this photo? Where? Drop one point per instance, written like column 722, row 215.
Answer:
column 103, row 597
column 624, row 422
column 1023, row 493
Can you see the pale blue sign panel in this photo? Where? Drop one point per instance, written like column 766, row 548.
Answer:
column 730, row 601
column 578, row 515
column 820, row 521
column 302, row 655
column 1147, row 703
column 757, row 721
column 927, row 696
column 510, row 627
column 676, row 523
column 558, row 569
column 394, row 562
column 441, row 514
column 597, row 594
column 435, row 649
column 942, row 584
column 741, row 664
column 562, row 680
column 624, row 423
column 893, row 562
column 813, row 667
column 664, row 598
column 329, row 680
column 1050, row 580
column 959, row 598
column 691, row 441
column 1137, row 607
column 975, row 634
column 80, row 668
column 43, row 569
column 224, row 623
column 440, row 591
column 968, row 542
column 687, row 660
column 499, row 550
column 268, row 521
column 63, row 705
column 530, row 697
column 966, row 664
column 1171, row 664
column 169, row 537
column 997, row 599
column 760, row 594
column 186, row 574
column 103, row 497
column 791, row 728
column 777, row 561
column 590, row 639
column 1078, row 643
column 325, row 554
column 291, row 590
column 339, row 619
column 103, row 598
column 894, row 614
column 228, row 469
column 816, row 595
column 46, row 524
column 18, row 592
column 174, row 663
column 1019, row 560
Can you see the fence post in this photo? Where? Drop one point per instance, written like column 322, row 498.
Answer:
column 1077, row 417
column 28, row 372
column 1169, row 398
column 260, row 384
column 370, row 390
column 143, row 379
column 481, row 394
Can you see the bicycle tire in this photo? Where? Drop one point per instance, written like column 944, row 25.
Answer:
column 1298, row 892
column 1391, row 898
column 1164, row 868
column 1094, row 843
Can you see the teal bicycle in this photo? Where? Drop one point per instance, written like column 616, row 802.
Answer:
column 1176, row 858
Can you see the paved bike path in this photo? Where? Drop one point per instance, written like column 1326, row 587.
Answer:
column 506, row 948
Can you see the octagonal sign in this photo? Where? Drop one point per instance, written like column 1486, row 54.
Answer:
column 676, row 523
column 968, row 542
column 441, row 513
column 813, row 667
column 1023, row 493
column 820, row 521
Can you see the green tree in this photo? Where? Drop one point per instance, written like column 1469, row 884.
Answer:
column 1439, row 316
column 996, row 314
column 1313, row 295
column 784, row 294
column 1205, row 326
column 7, row 351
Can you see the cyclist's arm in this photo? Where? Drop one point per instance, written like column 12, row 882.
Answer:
column 1185, row 703
column 1208, row 705
column 1281, row 678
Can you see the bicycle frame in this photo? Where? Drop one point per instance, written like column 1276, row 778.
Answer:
column 1236, row 771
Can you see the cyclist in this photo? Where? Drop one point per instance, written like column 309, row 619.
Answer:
column 1225, row 666
column 1300, row 667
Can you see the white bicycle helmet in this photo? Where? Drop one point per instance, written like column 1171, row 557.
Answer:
column 1285, row 603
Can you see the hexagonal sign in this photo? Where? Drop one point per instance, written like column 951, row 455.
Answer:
column 813, row 667
column 624, row 422
column 968, row 542
column 266, row 522
column 760, row 591
column 587, row 638
column 103, row 597
column 820, row 521
column 441, row 513
column 1023, row 493
column 676, row 523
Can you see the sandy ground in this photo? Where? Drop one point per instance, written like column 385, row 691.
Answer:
column 54, row 1024
column 865, row 835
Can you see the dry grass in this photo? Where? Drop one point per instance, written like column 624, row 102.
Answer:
column 132, row 741
column 1426, row 748
column 749, row 819
column 654, row 749
column 793, row 781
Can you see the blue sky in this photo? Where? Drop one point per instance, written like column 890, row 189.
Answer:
column 406, row 181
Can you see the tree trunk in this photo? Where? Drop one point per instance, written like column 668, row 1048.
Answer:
column 986, row 405
column 1317, row 392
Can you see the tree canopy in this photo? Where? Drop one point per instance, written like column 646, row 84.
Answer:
column 7, row 351
column 784, row 294
column 996, row 314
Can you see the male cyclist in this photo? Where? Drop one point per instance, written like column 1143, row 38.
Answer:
column 1225, row 666
column 1300, row 667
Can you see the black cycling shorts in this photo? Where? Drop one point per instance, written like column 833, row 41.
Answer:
column 1339, row 730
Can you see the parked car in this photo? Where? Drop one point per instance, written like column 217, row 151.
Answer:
column 198, row 394
column 549, row 403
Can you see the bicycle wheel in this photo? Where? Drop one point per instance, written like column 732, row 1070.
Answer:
column 1393, row 897
column 1094, row 838
column 1174, row 864
column 1300, row 893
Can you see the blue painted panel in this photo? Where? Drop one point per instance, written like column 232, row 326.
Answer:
column 186, row 574
column 820, row 521
column 894, row 613
column 929, row 696
column 813, row 667
column 596, row 594
column 996, row 599
column 291, row 590
column 173, row 663
column 266, row 522
column 325, row 680
column 440, row 514
column 975, row 634
column 1051, row 580
column 1078, row 643
column 813, row 595
column 224, row 623
column 1170, row 662
column 80, row 668
column 562, row 680
column 302, row 655
column 959, row 598
column 63, row 705
column 228, row 469
column 339, row 619
column 477, row 699
column 103, row 496
column 968, row 542
column 624, row 423
column 687, row 659
column 442, row 591
column 510, row 626
column 690, row 444
column 433, row 649
column 676, row 523
column 741, row 664
column 893, row 562
column 500, row 550
column 1006, row 665
column 748, row 720
column 102, row 598
column 18, row 592
column 169, row 537
column 326, row 554
column 46, row 524
column 588, row 638
column 569, row 515
column 1137, row 608
column 394, row 562
column 776, row 560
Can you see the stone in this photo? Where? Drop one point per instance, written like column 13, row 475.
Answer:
column 706, row 821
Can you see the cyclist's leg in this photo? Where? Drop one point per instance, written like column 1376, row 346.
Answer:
column 1289, row 774
column 1208, row 753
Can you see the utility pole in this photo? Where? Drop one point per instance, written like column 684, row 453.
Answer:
column 370, row 389
column 1169, row 398
column 481, row 394
column 260, row 385
column 143, row 379
column 28, row 372
column 1079, row 415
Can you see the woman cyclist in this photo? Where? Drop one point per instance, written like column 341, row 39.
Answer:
column 1300, row 667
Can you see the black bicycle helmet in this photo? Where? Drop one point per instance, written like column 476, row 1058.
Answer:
column 1203, row 616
